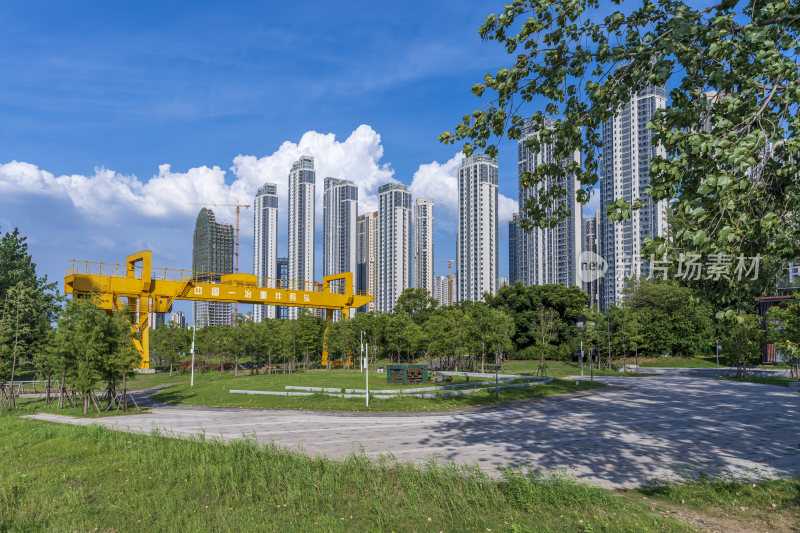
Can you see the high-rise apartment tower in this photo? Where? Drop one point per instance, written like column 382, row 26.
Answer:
column 477, row 227
column 591, row 243
column 625, row 174
column 394, row 244
column 514, row 235
column 367, row 274
column 340, row 227
column 302, row 179
column 265, row 244
column 423, row 244
column 549, row 255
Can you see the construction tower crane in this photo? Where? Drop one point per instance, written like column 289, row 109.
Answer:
column 238, row 207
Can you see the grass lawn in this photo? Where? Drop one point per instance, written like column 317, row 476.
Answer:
column 706, row 361
column 780, row 381
column 69, row 478
column 214, row 389
column 560, row 369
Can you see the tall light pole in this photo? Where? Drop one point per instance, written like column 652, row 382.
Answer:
column 194, row 329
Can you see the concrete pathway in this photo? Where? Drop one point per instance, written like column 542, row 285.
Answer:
column 634, row 430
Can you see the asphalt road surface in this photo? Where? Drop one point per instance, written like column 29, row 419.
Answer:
column 633, row 431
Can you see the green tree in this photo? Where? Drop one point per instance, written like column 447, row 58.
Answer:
column 729, row 167
column 524, row 304
column 401, row 336
column 171, row 341
column 309, row 333
column 446, row 334
column 87, row 332
column 118, row 364
column 416, row 302
column 492, row 330
column 18, row 315
column 784, row 332
column 673, row 319
column 743, row 341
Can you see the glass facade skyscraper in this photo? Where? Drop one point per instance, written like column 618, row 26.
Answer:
column 212, row 256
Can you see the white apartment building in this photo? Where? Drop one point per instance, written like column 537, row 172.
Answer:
column 367, row 274
column 591, row 243
column 549, row 255
column 302, row 179
column 340, row 227
column 394, row 244
column 444, row 289
column 477, row 254
column 625, row 173
column 265, row 244
column 423, row 244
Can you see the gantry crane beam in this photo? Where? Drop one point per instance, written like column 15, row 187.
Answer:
column 151, row 290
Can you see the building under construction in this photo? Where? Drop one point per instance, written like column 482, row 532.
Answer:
column 212, row 252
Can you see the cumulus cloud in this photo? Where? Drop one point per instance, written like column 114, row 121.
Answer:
column 115, row 196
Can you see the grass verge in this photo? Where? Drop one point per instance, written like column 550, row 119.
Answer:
column 69, row 478
column 765, row 380
column 765, row 505
column 214, row 390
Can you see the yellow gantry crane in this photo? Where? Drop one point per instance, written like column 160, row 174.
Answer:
column 152, row 290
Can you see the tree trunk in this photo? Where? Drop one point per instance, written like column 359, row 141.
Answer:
column 170, row 368
column 85, row 403
column 61, row 386
column 124, row 392
column 47, row 400
column 637, row 359
column 14, row 362
column 236, row 365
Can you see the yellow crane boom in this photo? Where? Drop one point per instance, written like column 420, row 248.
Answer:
column 150, row 290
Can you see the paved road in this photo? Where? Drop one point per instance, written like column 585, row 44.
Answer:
column 634, row 430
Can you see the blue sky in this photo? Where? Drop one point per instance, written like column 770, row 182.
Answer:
column 114, row 117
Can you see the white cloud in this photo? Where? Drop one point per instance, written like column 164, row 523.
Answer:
column 115, row 196
column 108, row 193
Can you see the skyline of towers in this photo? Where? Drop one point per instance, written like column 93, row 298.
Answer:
column 394, row 244
column 212, row 256
column 548, row 255
column 477, row 253
column 377, row 246
column 265, row 243
column 302, row 183
column 625, row 174
column 423, row 244
column 367, row 273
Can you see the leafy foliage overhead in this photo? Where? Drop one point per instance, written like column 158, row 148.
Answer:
column 729, row 133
